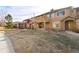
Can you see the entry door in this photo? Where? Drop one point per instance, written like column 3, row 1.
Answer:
column 70, row 25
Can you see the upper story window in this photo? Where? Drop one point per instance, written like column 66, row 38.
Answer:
column 61, row 13
column 48, row 15
column 52, row 15
column 77, row 11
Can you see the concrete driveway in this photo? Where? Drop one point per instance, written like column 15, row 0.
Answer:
column 5, row 44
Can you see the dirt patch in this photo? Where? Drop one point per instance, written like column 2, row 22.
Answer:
column 42, row 41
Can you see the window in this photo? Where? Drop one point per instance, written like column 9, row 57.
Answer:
column 56, row 24
column 61, row 13
column 77, row 9
column 49, row 16
column 52, row 15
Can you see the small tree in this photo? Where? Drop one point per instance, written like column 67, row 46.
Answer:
column 9, row 21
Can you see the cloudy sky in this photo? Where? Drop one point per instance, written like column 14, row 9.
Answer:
column 23, row 9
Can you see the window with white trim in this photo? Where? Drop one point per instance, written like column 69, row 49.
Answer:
column 56, row 24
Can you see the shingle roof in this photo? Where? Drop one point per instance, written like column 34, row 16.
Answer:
column 62, row 9
column 52, row 10
column 77, row 8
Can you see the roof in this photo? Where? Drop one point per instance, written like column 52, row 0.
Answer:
column 62, row 9
column 77, row 8
column 54, row 11
column 26, row 19
column 41, row 14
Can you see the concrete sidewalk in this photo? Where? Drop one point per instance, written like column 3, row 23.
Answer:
column 5, row 44
column 72, row 33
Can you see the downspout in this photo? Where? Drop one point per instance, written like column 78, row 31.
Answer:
column 50, row 17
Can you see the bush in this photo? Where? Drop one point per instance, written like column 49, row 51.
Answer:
column 9, row 25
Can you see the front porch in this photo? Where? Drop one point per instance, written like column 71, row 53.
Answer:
column 69, row 24
column 44, row 25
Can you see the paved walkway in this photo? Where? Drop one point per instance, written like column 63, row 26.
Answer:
column 72, row 33
column 5, row 44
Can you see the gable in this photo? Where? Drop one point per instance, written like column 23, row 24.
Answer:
column 68, row 18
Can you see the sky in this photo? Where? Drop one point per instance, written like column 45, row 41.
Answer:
column 23, row 9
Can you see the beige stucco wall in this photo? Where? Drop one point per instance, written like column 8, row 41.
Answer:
column 58, row 19
column 2, row 28
column 43, row 18
column 77, row 24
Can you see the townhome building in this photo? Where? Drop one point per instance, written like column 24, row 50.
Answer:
column 60, row 19
column 65, row 19
column 19, row 25
column 28, row 23
column 42, row 21
column 25, row 24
